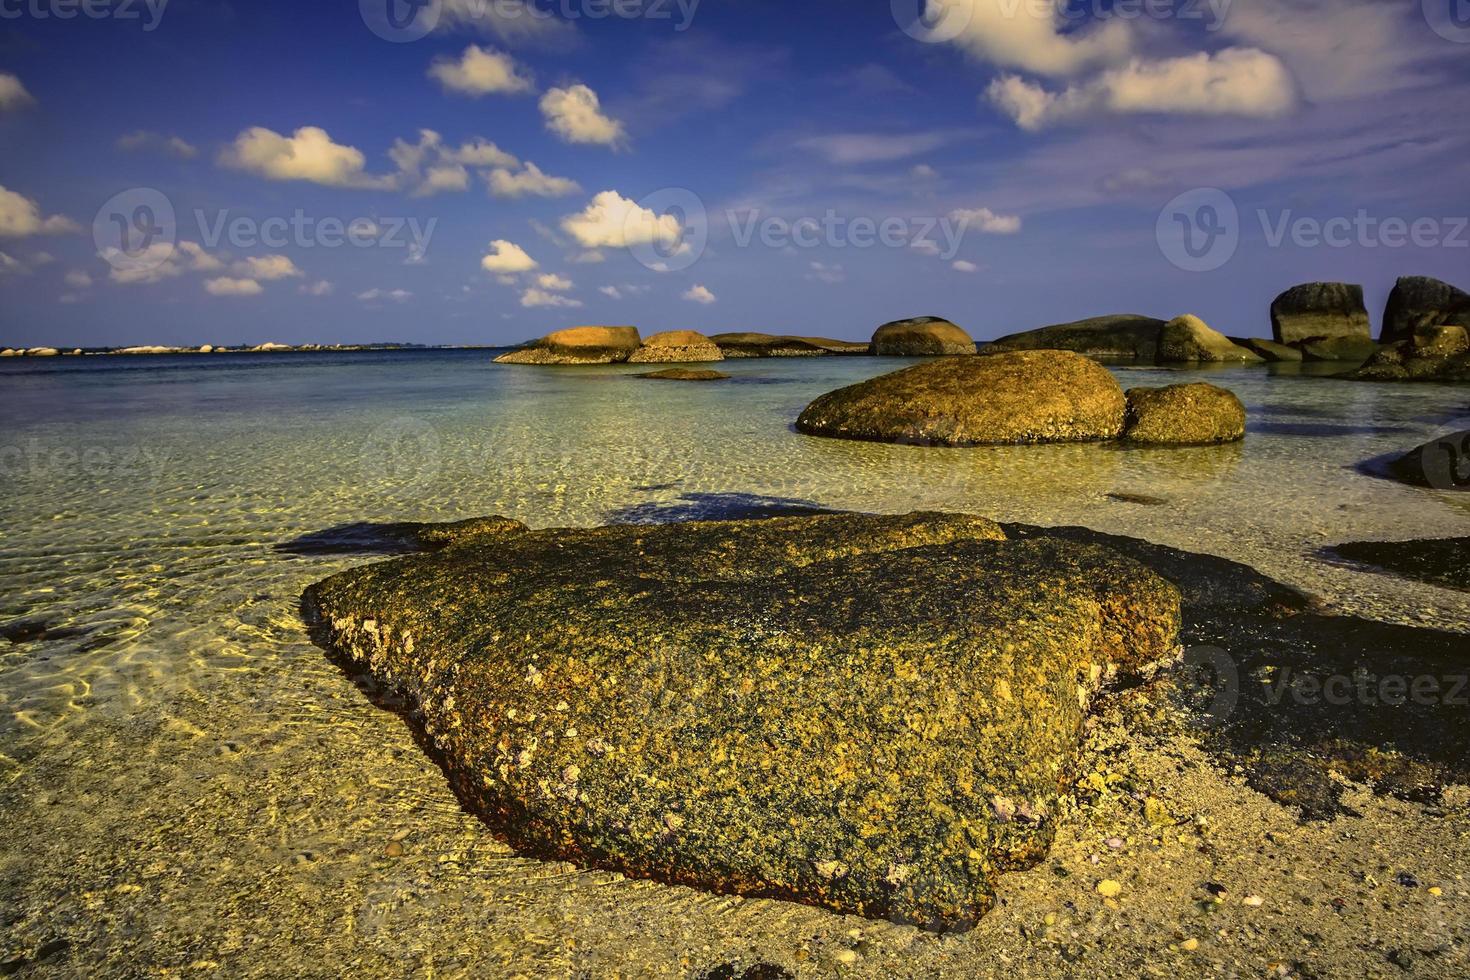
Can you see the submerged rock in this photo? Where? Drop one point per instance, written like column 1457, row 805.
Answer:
column 1440, row 464
column 1184, row 415
column 1320, row 309
column 676, row 347
column 1439, row 561
column 685, row 374
column 1021, row 397
column 1419, row 303
column 924, row 336
column 815, row 708
column 578, row 345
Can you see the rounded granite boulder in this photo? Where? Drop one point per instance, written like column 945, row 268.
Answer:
column 1186, row 339
column 1195, row 414
column 995, row 399
column 924, row 336
column 578, row 345
column 676, row 347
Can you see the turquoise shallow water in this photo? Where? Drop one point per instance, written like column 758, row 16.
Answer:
column 176, row 696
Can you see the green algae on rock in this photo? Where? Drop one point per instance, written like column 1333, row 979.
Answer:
column 872, row 714
column 999, row 399
column 1195, row 414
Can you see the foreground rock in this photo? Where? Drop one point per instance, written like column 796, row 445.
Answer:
column 1418, row 304
column 685, row 374
column 925, row 336
column 1438, row 561
column 1442, row 353
column 1129, row 336
column 676, row 347
column 1184, row 415
column 578, row 345
column 1319, row 310
column 871, row 714
column 1022, row 397
column 1440, row 464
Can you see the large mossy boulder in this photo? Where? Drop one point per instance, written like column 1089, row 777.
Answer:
column 995, row 399
column 1418, row 304
column 578, row 345
column 872, row 714
column 1442, row 463
column 676, row 347
column 1195, row 414
column 1320, row 309
column 1188, row 339
column 1123, row 336
column 924, row 336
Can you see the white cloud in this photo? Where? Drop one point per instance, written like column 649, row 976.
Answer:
column 375, row 295
column 962, row 265
column 829, row 273
column 922, row 171
column 553, row 282
column 480, row 152
column 575, row 115
column 319, row 288
column 1031, row 36
column 589, row 257
column 267, row 267
column 507, row 257
column 1233, row 82
column 540, row 297
column 529, row 181
column 225, row 286
column 479, row 71
column 430, row 166
column 158, row 262
column 309, row 154
column 13, row 94
column 514, row 22
column 987, row 221
column 79, row 279
column 699, row 294
column 612, row 292
column 613, row 221
column 20, row 216
column 142, row 139
column 196, row 259
column 11, row 266
column 443, row 177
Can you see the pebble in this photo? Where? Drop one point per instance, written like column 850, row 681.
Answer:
column 394, row 849
column 1436, row 891
column 1108, row 888
column 1189, row 945
column 1254, row 901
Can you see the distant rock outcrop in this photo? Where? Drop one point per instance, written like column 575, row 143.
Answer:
column 1320, row 309
column 1130, row 336
column 924, row 336
column 1188, row 339
column 1419, row 303
column 1441, row 353
column 676, row 347
column 745, row 345
column 578, row 345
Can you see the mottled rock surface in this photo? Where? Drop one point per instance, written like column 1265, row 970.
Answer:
column 1187, row 339
column 578, row 345
column 685, row 374
column 1184, row 415
column 1319, row 309
column 676, row 347
column 747, row 345
column 872, row 714
column 1020, row 397
column 1440, row 353
column 924, row 336
column 1419, row 303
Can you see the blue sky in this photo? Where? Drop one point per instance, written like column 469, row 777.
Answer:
column 1019, row 160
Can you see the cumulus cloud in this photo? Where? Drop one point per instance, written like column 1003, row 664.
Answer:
column 553, row 282
column 267, row 267
column 575, row 115
column 514, row 22
column 13, row 94
column 961, row 265
column 319, row 288
column 540, row 297
column 376, row 295
column 613, row 221
column 1232, row 82
column 479, row 71
column 158, row 262
column 12, row 266
column 699, row 294
column 309, row 154
column 225, row 286
column 430, row 166
column 143, row 139
column 1031, row 37
column 506, row 258
column 529, row 181
column 479, row 152
column 194, row 258
column 987, row 221
column 20, row 216
column 612, row 292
